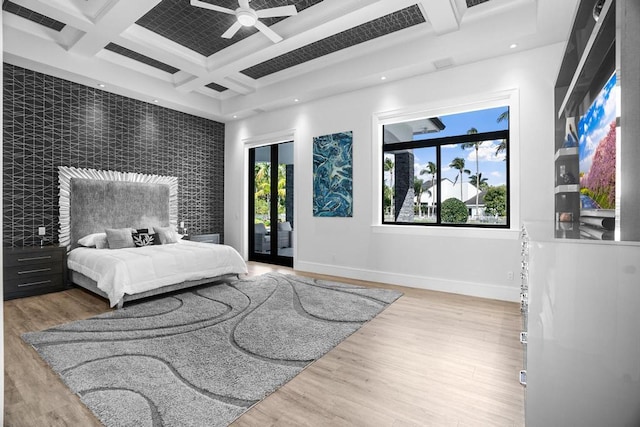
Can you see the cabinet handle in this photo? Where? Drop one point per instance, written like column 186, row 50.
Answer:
column 42, row 282
column 35, row 258
column 523, row 377
column 40, row 270
column 524, row 336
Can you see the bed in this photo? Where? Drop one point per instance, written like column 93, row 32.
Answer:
column 103, row 212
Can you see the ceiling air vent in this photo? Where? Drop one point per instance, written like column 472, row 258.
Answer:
column 443, row 63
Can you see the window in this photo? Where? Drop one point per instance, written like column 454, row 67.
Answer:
column 451, row 170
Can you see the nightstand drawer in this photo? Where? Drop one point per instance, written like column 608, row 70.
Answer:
column 27, row 271
column 34, row 283
column 17, row 258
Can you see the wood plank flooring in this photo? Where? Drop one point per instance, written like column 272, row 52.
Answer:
column 430, row 359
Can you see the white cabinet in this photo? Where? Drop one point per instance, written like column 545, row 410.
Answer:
column 583, row 330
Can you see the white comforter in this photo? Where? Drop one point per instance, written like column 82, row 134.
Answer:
column 134, row 270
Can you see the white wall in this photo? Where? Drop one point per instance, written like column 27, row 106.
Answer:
column 473, row 262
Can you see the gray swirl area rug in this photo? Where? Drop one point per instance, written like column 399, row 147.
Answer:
column 203, row 357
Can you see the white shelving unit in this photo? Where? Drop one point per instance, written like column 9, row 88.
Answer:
column 570, row 188
column 566, row 152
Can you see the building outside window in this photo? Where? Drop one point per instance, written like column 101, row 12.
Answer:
column 450, row 170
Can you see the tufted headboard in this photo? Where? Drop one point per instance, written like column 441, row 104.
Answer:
column 92, row 200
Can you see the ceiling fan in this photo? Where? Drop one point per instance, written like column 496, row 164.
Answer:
column 248, row 17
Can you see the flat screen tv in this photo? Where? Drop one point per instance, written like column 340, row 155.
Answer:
column 597, row 157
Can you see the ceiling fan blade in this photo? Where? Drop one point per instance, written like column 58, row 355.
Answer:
column 277, row 11
column 198, row 3
column 244, row 4
column 232, row 30
column 268, row 32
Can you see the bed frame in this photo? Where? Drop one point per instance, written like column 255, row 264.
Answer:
column 92, row 200
column 83, row 281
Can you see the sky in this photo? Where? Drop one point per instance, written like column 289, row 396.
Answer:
column 492, row 167
column 594, row 124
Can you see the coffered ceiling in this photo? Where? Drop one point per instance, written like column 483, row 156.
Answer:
column 172, row 53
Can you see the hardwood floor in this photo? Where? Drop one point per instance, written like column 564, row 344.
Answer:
column 430, row 359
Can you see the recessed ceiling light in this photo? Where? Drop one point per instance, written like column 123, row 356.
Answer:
column 383, row 78
column 296, row 100
column 101, row 85
column 156, row 101
column 513, row 45
column 235, row 117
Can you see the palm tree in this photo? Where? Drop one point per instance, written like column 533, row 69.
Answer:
column 388, row 167
column 503, row 144
column 417, row 188
column 282, row 189
column 430, row 169
column 262, row 190
column 458, row 163
column 476, row 145
column 481, row 184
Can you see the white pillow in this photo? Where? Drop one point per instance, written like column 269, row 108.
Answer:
column 97, row 240
column 167, row 235
column 119, row 238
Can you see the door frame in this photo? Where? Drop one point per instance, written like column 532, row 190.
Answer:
column 256, row 142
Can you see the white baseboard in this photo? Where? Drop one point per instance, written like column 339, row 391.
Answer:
column 482, row 290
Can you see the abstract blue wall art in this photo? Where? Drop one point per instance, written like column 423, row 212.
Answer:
column 333, row 175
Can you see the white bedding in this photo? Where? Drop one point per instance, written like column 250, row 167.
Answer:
column 133, row 270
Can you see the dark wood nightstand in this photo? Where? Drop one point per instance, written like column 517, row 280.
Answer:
column 34, row 270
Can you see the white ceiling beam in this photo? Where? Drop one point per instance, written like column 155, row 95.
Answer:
column 34, row 53
column 240, row 84
column 110, row 24
column 442, row 14
column 10, row 20
column 369, row 48
column 63, row 13
column 493, row 8
column 155, row 46
column 134, row 65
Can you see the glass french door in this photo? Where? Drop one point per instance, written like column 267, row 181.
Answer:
column 271, row 224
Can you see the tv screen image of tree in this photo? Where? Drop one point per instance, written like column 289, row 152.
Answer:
column 597, row 147
column 597, row 156
column 333, row 175
column 448, row 170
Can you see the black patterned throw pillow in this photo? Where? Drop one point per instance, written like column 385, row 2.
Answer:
column 144, row 238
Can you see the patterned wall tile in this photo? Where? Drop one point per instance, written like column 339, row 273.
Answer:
column 50, row 122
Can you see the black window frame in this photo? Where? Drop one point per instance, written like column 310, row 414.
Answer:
column 438, row 143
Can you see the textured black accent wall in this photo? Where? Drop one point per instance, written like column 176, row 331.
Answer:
column 51, row 122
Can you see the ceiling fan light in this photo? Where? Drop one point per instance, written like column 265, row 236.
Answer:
column 246, row 18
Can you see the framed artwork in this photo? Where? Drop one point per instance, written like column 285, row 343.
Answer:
column 333, row 175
